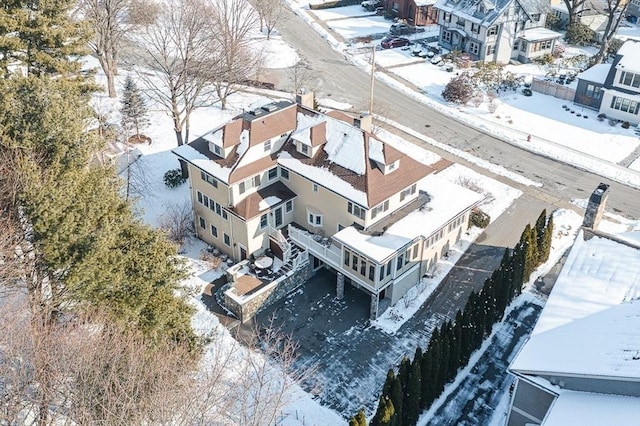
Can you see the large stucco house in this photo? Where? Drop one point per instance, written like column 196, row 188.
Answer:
column 614, row 89
column 289, row 179
column 581, row 364
column 496, row 30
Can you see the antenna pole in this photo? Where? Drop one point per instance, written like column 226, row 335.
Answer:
column 373, row 79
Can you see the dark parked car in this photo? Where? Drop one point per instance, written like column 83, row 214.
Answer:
column 370, row 5
column 390, row 43
column 401, row 29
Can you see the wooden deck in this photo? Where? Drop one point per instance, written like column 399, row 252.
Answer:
column 245, row 284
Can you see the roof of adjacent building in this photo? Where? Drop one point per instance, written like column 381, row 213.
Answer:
column 630, row 52
column 345, row 164
column 266, row 198
column 596, row 74
column 593, row 409
column 540, row 33
column 590, row 325
column 486, row 12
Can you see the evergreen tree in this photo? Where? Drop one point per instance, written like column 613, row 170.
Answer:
column 389, row 416
column 443, row 372
column 548, row 237
column 42, row 36
column 403, row 372
column 541, row 223
column 134, row 109
column 426, row 382
column 397, row 396
column 360, row 419
column 388, row 383
column 411, row 402
column 530, row 248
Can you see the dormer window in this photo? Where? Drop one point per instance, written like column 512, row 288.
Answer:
column 391, row 167
column 267, row 145
column 217, row 150
column 304, row 149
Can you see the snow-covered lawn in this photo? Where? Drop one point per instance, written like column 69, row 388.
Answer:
column 360, row 27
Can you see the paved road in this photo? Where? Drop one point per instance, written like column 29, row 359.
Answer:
column 334, row 77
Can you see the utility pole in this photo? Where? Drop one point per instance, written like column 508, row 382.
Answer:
column 373, row 79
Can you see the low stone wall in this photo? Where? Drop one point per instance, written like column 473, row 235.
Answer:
column 247, row 307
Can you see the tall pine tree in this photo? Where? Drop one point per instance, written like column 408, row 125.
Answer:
column 413, row 392
column 134, row 109
column 360, row 419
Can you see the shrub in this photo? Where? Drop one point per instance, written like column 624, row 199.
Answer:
column 602, row 116
column 579, row 34
column 527, row 92
column 614, row 45
column 459, row 90
column 479, row 218
column 612, row 122
column 545, row 59
column 625, row 124
column 173, row 178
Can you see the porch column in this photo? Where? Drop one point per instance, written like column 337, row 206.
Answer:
column 373, row 311
column 340, row 286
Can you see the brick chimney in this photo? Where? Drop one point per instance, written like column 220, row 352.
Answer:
column 595, row 207
column 364, row 122
column 305, row 98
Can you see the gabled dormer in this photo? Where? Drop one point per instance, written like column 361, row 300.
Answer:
column 386, row 158
column 310, row 139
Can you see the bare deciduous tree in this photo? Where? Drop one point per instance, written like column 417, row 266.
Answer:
column 574, row 7
column 178, row 51
column 615, row 11
column 109, row 21
column 300, row 76
column 270, row 13
column 177, row 221
column 235, row 59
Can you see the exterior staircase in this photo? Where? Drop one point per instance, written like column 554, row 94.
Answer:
column 290, row 251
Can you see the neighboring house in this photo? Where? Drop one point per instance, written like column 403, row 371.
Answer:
column 496, row 30
column 415, row 12
column 614, row 89
column 285, row 175
column 633, row 11
column 581, row 364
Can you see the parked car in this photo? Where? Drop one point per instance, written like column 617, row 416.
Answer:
column 390, row 43
column 370, row 5
column 401, row 29
column 436, row 60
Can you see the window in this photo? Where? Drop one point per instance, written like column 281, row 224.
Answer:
column 200, row 197
column 340, row 227
column 267, row 145
column 475, row 28
column 256, row 180
column 625, row 105
column 381, row 276
column 214, row 231
column 535, row 17
column 354, row 262
column 226, row 239
column 356, row 210
column 217, row 150
column 315, row 187
column 474, row 48
column 242, row 187
column 203, row 223
column 304, row 149
column 516, row 45
column 347, row 256
column 388, row 268
column 399, row 262
column 460, row 23
column 630, row 79
column 273, row 173
column 263, row 221
column 315, row 219
column 447, row 18
column 492, row 30
column 415, row 252
column 288, row 206
column 409, row 191
column 523, row 46
column 395, row 6
column 205, row 200
column 593, row 91
column 363, row 267
column 208, row 178
column 391, row 167
column 446, row 36
column 284, row 173
column 491, row 49
column 382, row 207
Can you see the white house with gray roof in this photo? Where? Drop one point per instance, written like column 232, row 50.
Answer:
column 496, row 30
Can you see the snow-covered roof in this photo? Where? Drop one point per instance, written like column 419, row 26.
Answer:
column 376, row 152
column 596, row 74
column 268, row 202
column 593, row 409
column 215, row 137
column 203, row 162
column 630, row 52
column 420, row 3
column 447, row 201
column 345, row 143
column 324, row 177
column 578, row 332
column 540, row 33
column 625, row 95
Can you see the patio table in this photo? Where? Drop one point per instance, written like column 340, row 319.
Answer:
column 263, row 262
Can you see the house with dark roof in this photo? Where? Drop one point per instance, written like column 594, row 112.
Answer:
column 613, row 89
column 496, row 30
column 581, row 364
column 321, row 189
column 415, row 12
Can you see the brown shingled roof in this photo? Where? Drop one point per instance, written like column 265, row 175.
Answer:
column 250, row 206
column 272, row 125
column 241, row 173
column 231, row 132
column 318, row 134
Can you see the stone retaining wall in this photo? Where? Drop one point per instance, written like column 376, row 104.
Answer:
column 247, row 307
